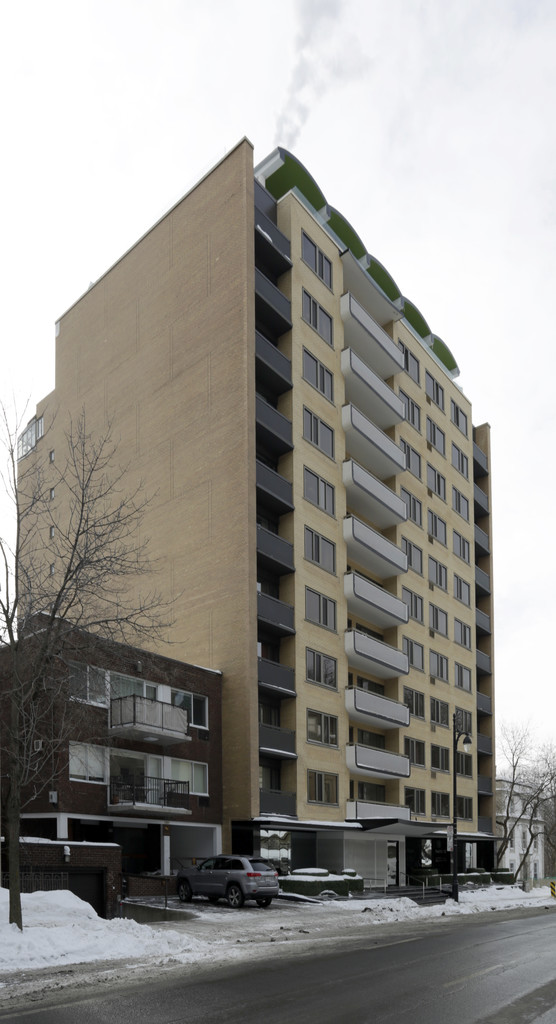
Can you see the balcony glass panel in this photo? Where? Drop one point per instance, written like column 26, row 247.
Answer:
column 482, row 546
column 482, row 582
column 140, row 717
column 482, row 622
column 484, row 704
column 484, row 744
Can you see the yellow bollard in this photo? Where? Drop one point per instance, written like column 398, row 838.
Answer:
column 553, row 889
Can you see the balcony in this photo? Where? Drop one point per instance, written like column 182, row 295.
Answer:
column 384, row 306
column 480, row 500
column 273, row 489
column 484, row 704
column 273, row 368
column 137, row 718
column 482, row 623
column 484, row 785
column 360, row 809
column 149, row 791
column 374, row 604
column 368, row 391
column 276, row 742
column 273, row 429
column 484, row 824
column 482, row 582
column 272, row 308
column 374, row 656
column 370, row 498
column 276, row 615
column 272, row 248
column 480, row 461
column 378, row 763
column 280, row 679
column 372, row 551
column 277, row 801
column 483, row 662
column 484, row 744
column 482, row 546
column 370, row 446
column 369, row 341
column 374, row 709
column 274, row 552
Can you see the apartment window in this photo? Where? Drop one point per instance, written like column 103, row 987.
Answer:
column 414, row 555
column 371, row 791
column 438, row 619
column 369, row 685
column 366, row 738
column 412, row 458
column 434, row 390
column 460, row 504
column 322, row 728
column 415, row 800
column 322, row 787
column 464, row 807
column 29, row 437
column 464, row 764
column 320, row 609
column 437, row 527
column 415, row 701
column 415, row 653
column 436, row 482
column 462, row 634
column 126, row 686
column 318, row 433
column 52, row 568
column 316, row 260
column 195, row 704
column 461, row 547
column 318, row 491
column 463, row 677
column 412, row 410
column 51, row 532
column 435, row 436
column 464, row 720
column 87, row 763
column 316, row 374
column 460, row 461
column 414, row 604
column 415, row 751
column 438, row 573
column 462, row 590
column 320, row 668
column 438, row 666
column 413, row 506
column 317, row 317
column 320, row 550
column 88, row 683
column 439, row 712
column 440, row 758
column 458, row 416
column 440, row 805
column 51, row 455
column 193, row 772
column 52, row 493
column 410, row 363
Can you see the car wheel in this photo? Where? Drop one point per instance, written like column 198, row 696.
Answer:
column 184, row 892
column 264, row 901
column 234, row 896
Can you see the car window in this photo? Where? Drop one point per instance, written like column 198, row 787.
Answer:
column 236, row 864
column 261, row 865
column 207, row 865
column 220, row 863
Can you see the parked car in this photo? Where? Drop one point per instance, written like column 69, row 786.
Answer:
column 230, row 877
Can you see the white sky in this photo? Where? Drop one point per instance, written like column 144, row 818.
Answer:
column 428, row 123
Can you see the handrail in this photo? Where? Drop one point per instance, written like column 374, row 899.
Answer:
column 415, row 881
column 382, row 883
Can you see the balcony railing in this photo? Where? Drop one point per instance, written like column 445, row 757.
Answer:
column 380, row 763
column 482, row 546
column 277, row 801
column 374, row 656
column 370, row 498
column 273, row 368
column 484, row 703
column 374, row 709
column 481, row 501
column 275, row 741
column 480, row 461
column 140, row 717
column 272, row 248
column 149, row 790
column 484, row 824
column 484, row 744
column 371, row 343
column 372, row 551
column 274, row 551
column 484, row 665
column 278, row 678
column 484, row 785
column 277, row 615
column 370, row 446
column 372, row 603
column 274, row 489
column 362, row 809
column 274, row 429
column 482, row 582
column 482, row 622
column 369, row 392
column 271, row 305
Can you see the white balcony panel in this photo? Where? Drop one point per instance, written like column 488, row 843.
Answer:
column 374, row 709
column 367, row 291
column 361, row 809
column 374, row 604
column 372, row 551
column 377, row 763
column 370, row 446
column 370, row 498
column 374, row 656
column 371, row 343
column 369, row 392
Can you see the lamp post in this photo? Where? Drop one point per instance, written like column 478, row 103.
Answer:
column 457, row 733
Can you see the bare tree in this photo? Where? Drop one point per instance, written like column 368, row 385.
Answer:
column 69, row 565
column 526, row 789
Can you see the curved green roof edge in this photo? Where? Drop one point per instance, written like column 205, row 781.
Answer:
column 343, row 229
column 383, row 279
column 443, row 353
column 292, row 174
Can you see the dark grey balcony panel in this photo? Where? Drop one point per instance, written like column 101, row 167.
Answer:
column 484, row 824
column 278, row 678
column 277, row 615
column 484, row 666
column 482, row 546
column 484, row 704
column 484, row 744
column 482, row 623
column 370, row 446
column 276, row 742
column 271, row 305
column 484, row 785
column 373, row 551
column 274, row 552
column 481, row 502
column 273, row 489
column 277, row 801
column 273, row 429
column 139, row 718
column 273, row 368
column 272, row 248
column 371, row 343
column 265, row 202
column 482, row 582
column 369, row 392
column 480, row 461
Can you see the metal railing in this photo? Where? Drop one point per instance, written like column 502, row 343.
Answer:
column 154, row 714
column 35, row 881
column 149, row 790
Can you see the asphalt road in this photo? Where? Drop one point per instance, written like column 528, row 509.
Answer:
column 493, row 969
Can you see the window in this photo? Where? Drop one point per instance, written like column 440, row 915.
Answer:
column 460, row 504
column 51, row 532
column 438, row 573
column 318, row 433
column 318, row 491
column 317, row 375
column 436, row 482
column 461, row 547
column 414, row 652
column 458, row 417
column 462, row 590
column 52, row 568
column 438, row 666
column 415, row 751
column 436, row 437
column 414, row 604
column 464, row 720
column 415, row 701
column 464, row 807
column 366, row 738
column 460, row 461
column 415, row 800
column 412, row 458
column 29, row 437
column 320, row 550
column 320, row 609
column 317, row 317
column 463, row 677
column 434, row 390
column 51, row 455
column 196, row 706
column 440, row 758
column 369, row 685
column 322, row 788
column 87, row 763
column 438, row 619
column 88, row 683
column 126, row 686
column 412, row 410
column 193, row 772
column 440, row 805
column 410, row 363
column 464, row 764
column 322, row 728
column 414, row 555
column 439, row 712
column 371, row 791
column 52, row 493
column 316, row 260
column 462, row 634
column 437, row 527
column 320, row 668
column 413, row 506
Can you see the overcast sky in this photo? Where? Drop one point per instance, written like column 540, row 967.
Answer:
column 430, row 124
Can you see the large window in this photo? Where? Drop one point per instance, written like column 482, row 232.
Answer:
column 318, row 491
column 196, row 706
column 413, row 506
column 437, row 527
column 316, row 260
column 322, row 728
column 463, row 677
column 320, row 668
column 439, row 712
column 322, row 787
column 435, row 436
column 412, row 410
column 415, row 751
column 87, row 763
column 415, row 701
column 415, row 653
column 415, row 800
column 316, row 374
column 465, row 720
column 438, row 666
column 318, row 432
column 458, row 416
column 320, row 550
column 88, row 683
column 462, row 590
column 412, row 458
column 29, row 437
column 410, row 362
column 193, row 772
column 440, row 805
column 436, row 482
column 414, row 603
column 464, row 764
column 440, row 758
column 464, row 807
column 460, row 461
column 414, row 555
column 460, row 504
column 314, row 314
column 461, row 547
column 438, row 573
column 462, row 634
column 434, row 390
column 438, row 620
column 320, row 609
column 371, row 791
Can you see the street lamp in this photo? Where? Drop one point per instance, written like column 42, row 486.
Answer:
column 457, row 733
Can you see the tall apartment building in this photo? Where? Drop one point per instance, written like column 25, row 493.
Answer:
column 320, row 514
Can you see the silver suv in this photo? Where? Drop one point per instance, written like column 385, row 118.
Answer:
column 231, row 877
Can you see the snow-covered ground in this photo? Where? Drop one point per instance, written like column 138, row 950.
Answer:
column 60, row 930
